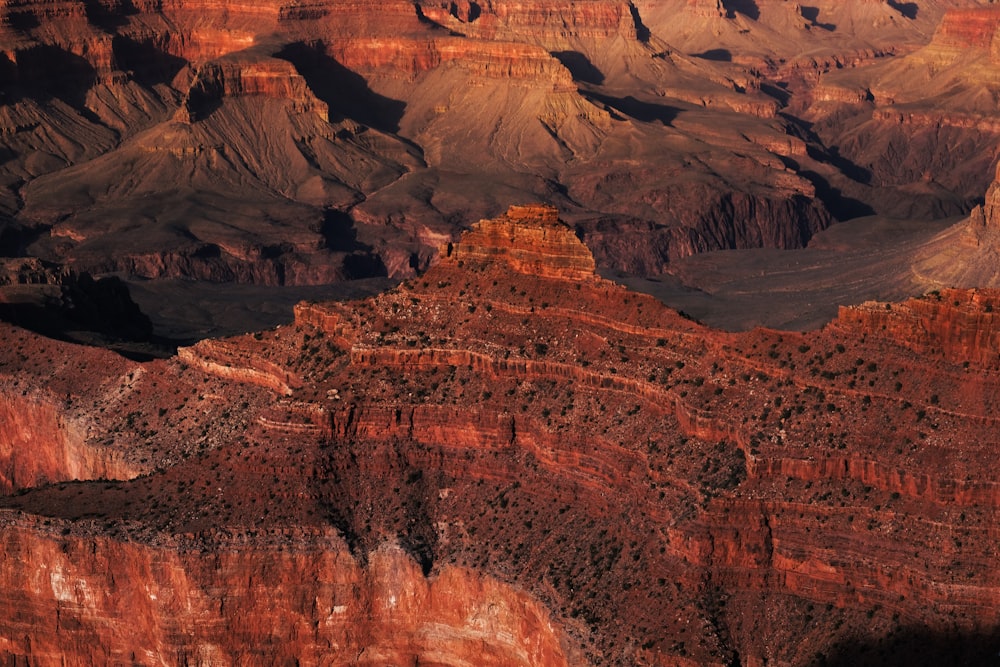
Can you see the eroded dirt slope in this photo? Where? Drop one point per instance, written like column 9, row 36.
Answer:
column 302, row 144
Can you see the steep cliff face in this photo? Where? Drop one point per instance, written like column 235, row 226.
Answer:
column 958, row 325
column 673, row 121
column 238, row 77
column 40, row 444
column 310, row 602
column 989, row 215
column 568, row 473
column 928, row 120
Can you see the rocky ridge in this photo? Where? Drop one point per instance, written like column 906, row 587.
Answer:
column 893, row 120
column 566, row 468
column 631, row 116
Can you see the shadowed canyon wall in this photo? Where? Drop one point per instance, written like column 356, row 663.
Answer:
column 320, row 142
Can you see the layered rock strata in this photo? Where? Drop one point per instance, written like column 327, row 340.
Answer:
column 633, row 114
column 922, row 123
column 568, row 473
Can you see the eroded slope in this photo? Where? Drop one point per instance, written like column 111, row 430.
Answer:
column 279, row 143
column 630, row 487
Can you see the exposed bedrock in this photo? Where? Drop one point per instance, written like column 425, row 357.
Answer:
column 682, row 146
column 621, row 484
column 921, row 128
column 104, row 599
column 720, row 221
column 659, row 492
column 40, row 443
column 958, row 325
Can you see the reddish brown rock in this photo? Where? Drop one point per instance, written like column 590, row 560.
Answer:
column 988, row 216
column 622, row 484
column 265, row 77
column 958, row 325
column 927, row 123
column 531, row 239
column 635, row 115
column 304, row 600
column 40, row 444
column 968, row 28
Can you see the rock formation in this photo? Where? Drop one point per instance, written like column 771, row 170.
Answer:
column 567, row 473
column 676, row 123
column 966, row 254
column 928, row 122
column 987, row 216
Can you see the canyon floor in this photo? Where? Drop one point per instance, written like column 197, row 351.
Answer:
column 734, row 290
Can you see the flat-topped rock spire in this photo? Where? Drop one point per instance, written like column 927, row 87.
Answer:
column 530, row 239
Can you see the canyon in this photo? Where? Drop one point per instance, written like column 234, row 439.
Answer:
column 315, row 143
column 568, row 472
column 713, row 380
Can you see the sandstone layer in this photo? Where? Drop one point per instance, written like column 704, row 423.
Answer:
column 567, row 473
column 308, row 143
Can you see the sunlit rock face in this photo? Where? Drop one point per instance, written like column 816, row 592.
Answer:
column 105, row 599
column 508, row 461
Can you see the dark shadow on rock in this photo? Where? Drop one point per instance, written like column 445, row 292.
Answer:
column 811, row 14
column 364, row 265
column 11, row 238
column 365, row 513
column 105, row 305
column 776, row 91
column 207, row 251
column 16, row 237
column 99, row 306
column 579, row 66
column 346, row 93
column 647, row 112
column 467, row 12
column 916, row 647
column 828, row 155
column 109, row 18
column 47, row 72
column 8, row 79
column 340, row 235
column 841, row 207
column 434, row 25
column 641, row 31
column 23, row 21
column 147, row 64
column 716, row 55
column 748, row 8
column 907, row 9
column 832, row 156
column 204, row 97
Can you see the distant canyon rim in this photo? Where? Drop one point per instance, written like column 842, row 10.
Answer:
column 310, row 144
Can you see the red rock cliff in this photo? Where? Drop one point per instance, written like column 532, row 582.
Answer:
column 957, row 325
column 969, row 28
column 531, row 239
column 311, row 602
column 622, row 484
